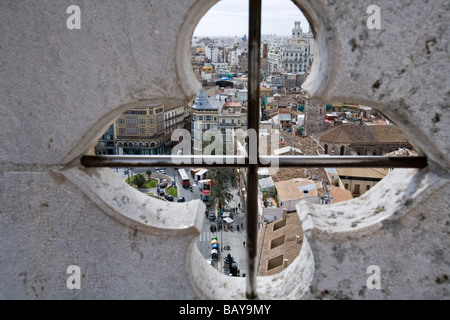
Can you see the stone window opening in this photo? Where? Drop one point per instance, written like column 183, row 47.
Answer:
column 90, row 161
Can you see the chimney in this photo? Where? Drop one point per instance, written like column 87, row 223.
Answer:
column 284, row 214
column 285, row 263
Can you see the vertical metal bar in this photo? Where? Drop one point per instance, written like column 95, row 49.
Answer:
column 253, row 124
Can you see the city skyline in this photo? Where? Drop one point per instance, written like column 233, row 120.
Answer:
column 229, row 18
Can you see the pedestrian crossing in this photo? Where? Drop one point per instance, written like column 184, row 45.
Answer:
column 206, row 236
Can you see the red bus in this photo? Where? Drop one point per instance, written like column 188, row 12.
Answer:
column 184, row 178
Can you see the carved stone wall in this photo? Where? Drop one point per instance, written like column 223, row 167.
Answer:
column 60, row 89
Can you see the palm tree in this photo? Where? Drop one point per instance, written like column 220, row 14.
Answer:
column 220, row 194
column 148, row 173
column 220, row 176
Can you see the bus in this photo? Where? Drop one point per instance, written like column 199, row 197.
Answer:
column 205, row 197
column 184, row 178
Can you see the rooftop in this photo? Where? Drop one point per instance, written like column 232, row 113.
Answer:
column 352, row 133
column 290, row 190
column 375, row 173
column 339, row 194
column 306, row 146
column 204, row 103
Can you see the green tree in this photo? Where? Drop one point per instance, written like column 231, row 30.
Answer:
column 139, row 180
column 220, row 194
column 148, row 173
column 100, row 148
column 220, row 176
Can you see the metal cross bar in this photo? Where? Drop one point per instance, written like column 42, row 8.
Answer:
column 163, row 161
column 264, row 161
column 254, row 62
column 252, row 162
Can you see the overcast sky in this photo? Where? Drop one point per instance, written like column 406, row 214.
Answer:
column 230, row 18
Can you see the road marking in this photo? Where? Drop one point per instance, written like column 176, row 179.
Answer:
column 205, row 236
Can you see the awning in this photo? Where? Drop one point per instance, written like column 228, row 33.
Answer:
column 201, row 172
column 228, row 220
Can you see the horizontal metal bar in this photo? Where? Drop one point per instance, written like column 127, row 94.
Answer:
column 162, row 161
column 342, row 162
column 264, row 161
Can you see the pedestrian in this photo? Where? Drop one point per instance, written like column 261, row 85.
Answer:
column 244, row 244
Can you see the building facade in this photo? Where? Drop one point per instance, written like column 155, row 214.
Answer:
column 205, row 116
column 314, row 117
column 293, row 56
column 147, row 129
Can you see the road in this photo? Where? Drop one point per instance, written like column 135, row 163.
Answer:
column 233, row 238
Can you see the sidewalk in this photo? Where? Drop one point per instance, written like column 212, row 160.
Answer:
column 236, row 238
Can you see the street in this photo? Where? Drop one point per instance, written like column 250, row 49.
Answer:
column 233, row 238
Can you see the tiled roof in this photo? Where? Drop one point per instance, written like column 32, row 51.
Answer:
column 351, row 133
column 306, row 145
column 339, row 194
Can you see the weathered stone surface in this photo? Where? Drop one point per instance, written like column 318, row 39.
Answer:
column 61, row 88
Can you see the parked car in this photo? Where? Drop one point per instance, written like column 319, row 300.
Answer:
column 181, row 199
column 168, row 197
column 163, row 184
column 161, row 192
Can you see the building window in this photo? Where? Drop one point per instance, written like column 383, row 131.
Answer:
column 131, row 130
column 131, row 121
column 275, row 262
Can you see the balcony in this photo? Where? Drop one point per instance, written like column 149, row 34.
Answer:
column 230, row 125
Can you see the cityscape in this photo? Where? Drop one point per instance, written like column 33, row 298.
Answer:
column 224, row 157
column 304, row 126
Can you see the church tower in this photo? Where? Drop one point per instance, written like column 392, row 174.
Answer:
column 297, row 32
